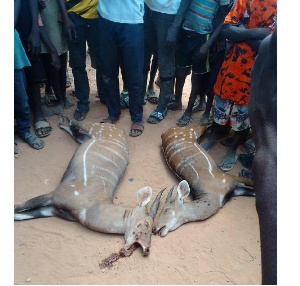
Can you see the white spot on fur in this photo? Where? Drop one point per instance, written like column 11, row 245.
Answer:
column 76, row 193
column 47, row 211
column 22, row 216
column 208, row 162
column 84, row 162
column 82, row 215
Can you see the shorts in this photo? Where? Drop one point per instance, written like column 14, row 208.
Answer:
column 36, row 72
column 189, row 43
column 225, row 111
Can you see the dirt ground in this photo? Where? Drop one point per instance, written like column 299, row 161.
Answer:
column 224, row 249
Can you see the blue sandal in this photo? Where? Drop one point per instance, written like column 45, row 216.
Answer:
column 156, row 116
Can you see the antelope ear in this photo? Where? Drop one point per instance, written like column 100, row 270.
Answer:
column 183, row 190
column 144, row 196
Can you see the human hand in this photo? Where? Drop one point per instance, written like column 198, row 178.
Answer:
column 34, row 44
column 69, row 30
column 55, row 60
column 171, row 37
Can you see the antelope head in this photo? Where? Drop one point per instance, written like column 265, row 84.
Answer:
column 140, row 224
column 174, row 213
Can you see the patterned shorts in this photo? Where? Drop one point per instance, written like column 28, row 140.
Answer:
column 225, row 111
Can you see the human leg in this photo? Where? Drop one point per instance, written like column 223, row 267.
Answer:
column 216, row 58
column 109, row 62
column 196, row 82
column 239, row 121
column 77, row 55
column 150, row 45
column 221, row 113
column 132, row 53
column 180, row 76
column 22, row 111
column 166, row 65
column 35, row 75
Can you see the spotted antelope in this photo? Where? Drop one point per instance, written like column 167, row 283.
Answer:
column 86, row 191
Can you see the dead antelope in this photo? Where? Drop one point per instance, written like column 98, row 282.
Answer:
column 86, row 191
column 210, row 186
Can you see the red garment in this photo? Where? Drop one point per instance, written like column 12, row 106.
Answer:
column 233, row 81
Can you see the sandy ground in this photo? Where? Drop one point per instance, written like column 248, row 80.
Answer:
column 224, row 249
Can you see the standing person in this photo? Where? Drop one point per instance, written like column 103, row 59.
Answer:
column 21, row 106
column 29, row 32
column 83, row 14
column 263, row 116
column 121, row 40
column 162, row 21
column 249, row 22
column 56, row 79
column 196, row 39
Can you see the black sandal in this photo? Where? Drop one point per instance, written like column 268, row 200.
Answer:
column 79, row 115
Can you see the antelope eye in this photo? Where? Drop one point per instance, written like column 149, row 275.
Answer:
column 166, row 210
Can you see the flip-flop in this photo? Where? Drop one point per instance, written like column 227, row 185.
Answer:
column 156, row 116
column 185, row 120
column 33, row 141
column 228, row 167
column 51, row 100
column 152, row 96
column 246, row 173
column 42, row 128
column 137, row 129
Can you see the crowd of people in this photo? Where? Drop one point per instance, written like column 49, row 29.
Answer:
column 214, row 41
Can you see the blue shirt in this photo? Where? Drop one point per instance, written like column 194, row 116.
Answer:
column 20, row 58
column 128, row 11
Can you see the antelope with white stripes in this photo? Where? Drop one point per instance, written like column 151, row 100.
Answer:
column 86, row 191
column 210, row 186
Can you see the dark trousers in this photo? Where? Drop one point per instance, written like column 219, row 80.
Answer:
column 156, row 28
column 122, row 43
column 21, row 106
column 87, row 34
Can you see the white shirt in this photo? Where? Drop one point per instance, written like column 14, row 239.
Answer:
column 164, row 6
column 124, row 11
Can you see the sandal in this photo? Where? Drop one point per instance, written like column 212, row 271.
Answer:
column 110, row 119
column 137, row 129
column 185, row 120
column 51, row 100
column 124, row 101
column 33, row 141
column 42, row 128
column 228, row 167
column 156, row 116
column 152, row 96
column 246, row 173
column 79, row 115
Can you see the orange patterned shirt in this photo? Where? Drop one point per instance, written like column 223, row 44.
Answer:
column 233, row 81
